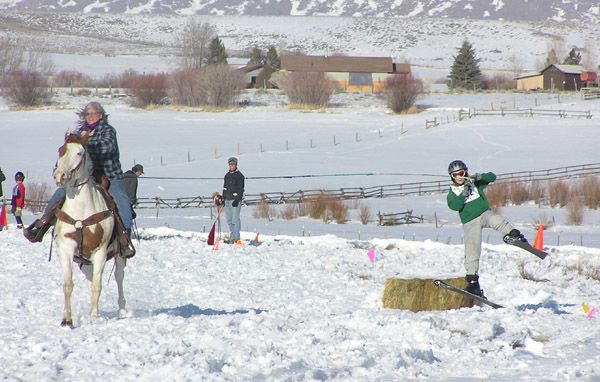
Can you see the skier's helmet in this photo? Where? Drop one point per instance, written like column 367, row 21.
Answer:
column 19, row 176
column 457, row 165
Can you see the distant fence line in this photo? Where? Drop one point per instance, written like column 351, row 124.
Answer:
column 530, row 112
column 385, row 191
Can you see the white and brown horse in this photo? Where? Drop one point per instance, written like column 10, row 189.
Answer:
column 84, row 225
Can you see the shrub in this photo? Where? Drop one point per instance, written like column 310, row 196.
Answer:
column 401, row 92
column 537, row 192
column 339, row 210
column 27, row 88
column 222, row 85
column 148, row 89
column 497, row 195
column 289, row 212
column 499, row 81
column 364, row 213
column 71, row 78
column 316, row 206
column 37, row 196
column 185, row 89
column 263, row 210
column 307, row 88
column 519, row 193
column 589, row 188
column 575, row 211
column 558, row 191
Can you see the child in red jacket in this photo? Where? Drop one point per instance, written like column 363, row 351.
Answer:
column 18, row 199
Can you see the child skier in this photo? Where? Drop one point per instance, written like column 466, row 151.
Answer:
column 466, row 196
column 17, row 202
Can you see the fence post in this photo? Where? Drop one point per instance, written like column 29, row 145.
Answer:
column 189, row 157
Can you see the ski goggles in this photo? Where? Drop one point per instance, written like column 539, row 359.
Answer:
column 458, row 174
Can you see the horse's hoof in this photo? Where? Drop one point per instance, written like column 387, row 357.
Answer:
column 66, row 322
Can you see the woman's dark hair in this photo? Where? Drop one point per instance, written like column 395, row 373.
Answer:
column 92, row 105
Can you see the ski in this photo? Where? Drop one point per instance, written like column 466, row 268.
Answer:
column 526, row 246
column 448, row 287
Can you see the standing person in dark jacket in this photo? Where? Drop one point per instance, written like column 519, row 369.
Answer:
column 2, row 179
column 467, row 197
column 17, row 201
column 233, row 192
column 130, row 184
column 103, row 148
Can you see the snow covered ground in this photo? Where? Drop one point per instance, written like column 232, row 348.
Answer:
column 306, row 304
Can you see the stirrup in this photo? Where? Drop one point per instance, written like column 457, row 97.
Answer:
column 81, row 260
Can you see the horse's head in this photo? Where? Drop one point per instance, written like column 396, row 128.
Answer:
column 73, row 164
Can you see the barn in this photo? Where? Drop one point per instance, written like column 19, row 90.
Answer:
column 562, row 77
column 530, row 81
column 257, row 76
column 350, row 73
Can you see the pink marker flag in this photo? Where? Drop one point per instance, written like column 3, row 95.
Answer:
column 371, row 255
column 591, row 313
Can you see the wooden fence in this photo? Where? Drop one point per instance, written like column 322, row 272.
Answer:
column 398, row 218
column 348, row 193
column 527, row 113
column 590, row 93
column 385, row 191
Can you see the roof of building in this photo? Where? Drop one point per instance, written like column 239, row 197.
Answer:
column 341, row 64
column 527, row 75
column 567, row 69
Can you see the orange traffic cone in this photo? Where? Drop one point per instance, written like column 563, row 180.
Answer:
column 538, row 243
column 3, row 222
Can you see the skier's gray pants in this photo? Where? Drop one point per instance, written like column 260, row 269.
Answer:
column 472, row 232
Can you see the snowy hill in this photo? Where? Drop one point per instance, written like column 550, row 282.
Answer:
column 523, row 10
column 425, row 41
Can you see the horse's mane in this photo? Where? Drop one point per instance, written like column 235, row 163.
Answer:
column 73, row 138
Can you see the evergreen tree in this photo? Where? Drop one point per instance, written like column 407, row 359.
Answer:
column 273, row 59
column 551, row 58
column 218, row 54
column 465, row 72
column 257, row 56
column 574, row 58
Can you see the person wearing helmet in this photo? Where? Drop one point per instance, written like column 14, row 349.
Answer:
column 17, row 202
column 467, row 197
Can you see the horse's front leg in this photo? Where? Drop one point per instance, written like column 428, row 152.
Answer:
column 96, row 284
column 120, row 264
column 65, row 261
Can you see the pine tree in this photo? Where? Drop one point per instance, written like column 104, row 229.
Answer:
column 574, row 58
column 218, row 54
column 551, row 58
column 465, row 72
column 257, row 56
column 273, row 59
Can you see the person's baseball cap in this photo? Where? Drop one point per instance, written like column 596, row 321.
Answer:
column 138, row 167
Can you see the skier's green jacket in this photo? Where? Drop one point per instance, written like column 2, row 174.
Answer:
column 471, row 206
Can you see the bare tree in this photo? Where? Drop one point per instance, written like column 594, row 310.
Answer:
column 401, row 92
column 307, row 88
column 194, row 44
column 11, row 55
column 185, row 88
column 222, row 85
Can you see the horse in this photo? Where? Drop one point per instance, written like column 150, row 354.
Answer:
column 84, row 225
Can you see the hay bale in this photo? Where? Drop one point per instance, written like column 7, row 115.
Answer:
column 419, row 295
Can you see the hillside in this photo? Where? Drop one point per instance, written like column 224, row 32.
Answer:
column 424, row 41
column 521, row 10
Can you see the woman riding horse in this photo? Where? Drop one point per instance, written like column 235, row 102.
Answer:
column 103, row 149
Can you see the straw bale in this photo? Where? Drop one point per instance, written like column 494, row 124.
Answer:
column 419, row 295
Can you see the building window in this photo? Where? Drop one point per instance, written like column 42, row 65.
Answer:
column 360, row 79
